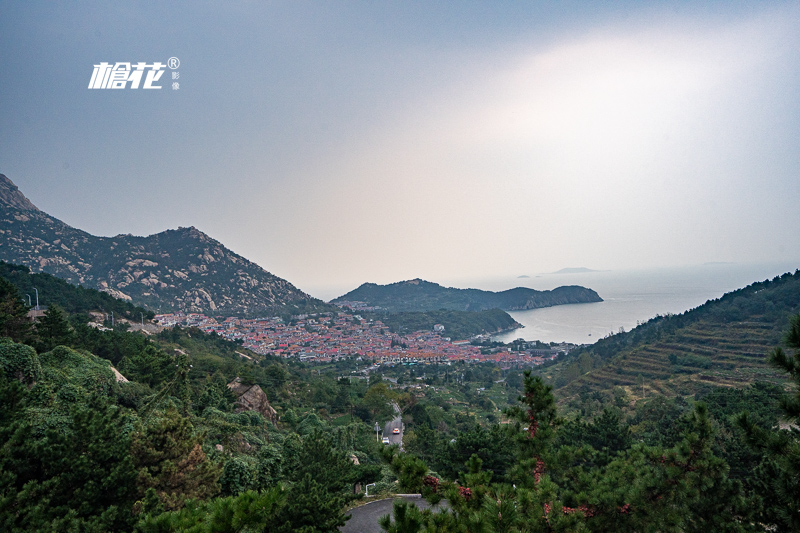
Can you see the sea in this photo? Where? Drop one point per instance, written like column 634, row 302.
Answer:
column 629, row 297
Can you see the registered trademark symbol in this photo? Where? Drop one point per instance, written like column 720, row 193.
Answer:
column 174, row 63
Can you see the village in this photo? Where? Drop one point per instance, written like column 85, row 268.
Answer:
column 327, row 337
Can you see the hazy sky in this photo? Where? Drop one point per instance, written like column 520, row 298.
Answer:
column 340, row 142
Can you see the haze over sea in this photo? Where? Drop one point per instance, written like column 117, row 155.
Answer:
column 630, row 297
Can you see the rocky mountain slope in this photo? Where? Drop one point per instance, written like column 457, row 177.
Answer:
column 420, row 295
column 175, row 270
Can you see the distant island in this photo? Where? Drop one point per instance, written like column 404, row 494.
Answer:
column 421, row 295
column 523, row 276
column 577, row 270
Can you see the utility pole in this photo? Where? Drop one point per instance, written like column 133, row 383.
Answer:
column 377, row 429
column 142, row 315
column 37, row 298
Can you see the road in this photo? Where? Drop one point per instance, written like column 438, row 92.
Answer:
column 397, row 423
column 365, row 518
column 388, row 431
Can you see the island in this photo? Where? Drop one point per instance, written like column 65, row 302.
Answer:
column 421, row 295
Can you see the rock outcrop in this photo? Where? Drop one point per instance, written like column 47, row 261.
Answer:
column 252, row 398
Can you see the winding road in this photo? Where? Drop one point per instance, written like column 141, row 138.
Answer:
column 364, row 519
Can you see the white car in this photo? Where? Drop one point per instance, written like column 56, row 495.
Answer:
column 386, row 440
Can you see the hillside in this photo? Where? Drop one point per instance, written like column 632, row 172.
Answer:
column 723, row 342
column 420, row 295
column 73, row 299
column 175, row 270
column 457, row 324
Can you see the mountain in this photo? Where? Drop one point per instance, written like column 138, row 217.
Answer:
column 175, row 270
column 723, row 342
column 420, row 295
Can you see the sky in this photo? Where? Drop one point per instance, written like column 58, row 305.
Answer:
column 335, row 143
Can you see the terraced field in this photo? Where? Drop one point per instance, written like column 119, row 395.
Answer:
column 731, row 355
column 724, row 342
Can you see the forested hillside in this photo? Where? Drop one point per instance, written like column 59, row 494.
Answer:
column 421, row 295
column 71, row 298
column 457, row 324
column 112, row 430
column 723, row 342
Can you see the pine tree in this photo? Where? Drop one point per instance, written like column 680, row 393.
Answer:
column 78, row 479
column 14, row 322
column 407, row 518
column 310, row 508
column 169, row 459
column 538, row 415
column 53, row 329
column 779, row 474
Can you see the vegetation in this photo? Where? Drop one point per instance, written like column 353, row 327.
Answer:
column 723, row 342
column 71, row 298
column 457, row 324
column 420, row 295
column 171, row 450
column 574, row 475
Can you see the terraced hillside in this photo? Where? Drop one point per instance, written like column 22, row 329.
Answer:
column 724, row 342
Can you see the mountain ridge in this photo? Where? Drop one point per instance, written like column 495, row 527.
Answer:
column 421, row 295
column 180, row 269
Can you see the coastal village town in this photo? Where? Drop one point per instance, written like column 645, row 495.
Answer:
column 326, row 337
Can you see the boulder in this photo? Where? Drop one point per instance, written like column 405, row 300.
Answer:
column 252, row 398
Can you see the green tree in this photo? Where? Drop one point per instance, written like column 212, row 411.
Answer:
column 409, row 469
column 249, row 511
column 407, row 518
column 310, row 508
column 53, row 329
column 540, row 420
column 342, row 402
column 20, row 362
column 378, row 400
column 779, row 474
column 150, row 366
column 329, row 466
column 169, row 459
column 14, row 322
column 79, row 479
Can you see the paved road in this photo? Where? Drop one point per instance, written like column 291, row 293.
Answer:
column 388, row 431
column 365, row 518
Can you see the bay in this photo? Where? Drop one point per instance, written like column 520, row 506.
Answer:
column 629, row 297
